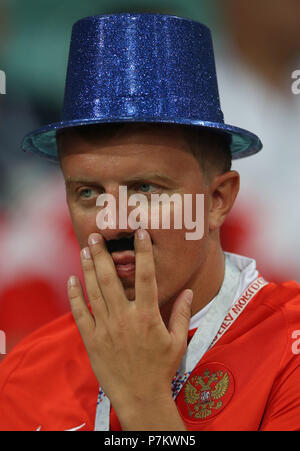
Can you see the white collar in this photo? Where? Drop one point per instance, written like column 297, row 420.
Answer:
column 247, row 267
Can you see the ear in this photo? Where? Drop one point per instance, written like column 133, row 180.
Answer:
column 223, row 191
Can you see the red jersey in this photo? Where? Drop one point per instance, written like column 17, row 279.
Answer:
column 249, row 380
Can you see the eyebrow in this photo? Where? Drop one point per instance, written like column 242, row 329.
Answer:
column 152, row 176
column 73, row 180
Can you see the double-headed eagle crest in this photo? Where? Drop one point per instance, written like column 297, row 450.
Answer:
column 202, row 397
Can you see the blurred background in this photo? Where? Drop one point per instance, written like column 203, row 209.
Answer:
column 257, row 48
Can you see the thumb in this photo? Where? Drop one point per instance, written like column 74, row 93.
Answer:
column 181, row 315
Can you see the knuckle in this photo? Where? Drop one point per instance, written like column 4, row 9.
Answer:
column 87, row 265
column 103, row 335
column 147, row 317
column 150, row 318
column 105, row 278
column 146, row 276
column 98, row 251
column 121, row 325
column 118, row 332
column 186, row 314
column 73, row 295
column 145, row 248
column 94, row 297
column 78, row 312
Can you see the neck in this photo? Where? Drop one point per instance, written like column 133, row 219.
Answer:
column 205, row 283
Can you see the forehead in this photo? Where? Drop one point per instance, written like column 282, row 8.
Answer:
column 127, row 151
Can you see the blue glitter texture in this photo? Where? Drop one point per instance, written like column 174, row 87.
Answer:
column 141, row 68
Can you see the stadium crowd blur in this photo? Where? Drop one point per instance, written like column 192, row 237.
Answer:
column 257, row 49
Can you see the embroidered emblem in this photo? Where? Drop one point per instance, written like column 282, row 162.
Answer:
column 208, row 391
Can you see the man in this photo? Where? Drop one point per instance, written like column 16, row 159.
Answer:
column 142, row 112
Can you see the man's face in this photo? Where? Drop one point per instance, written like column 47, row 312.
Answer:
column 146, row 161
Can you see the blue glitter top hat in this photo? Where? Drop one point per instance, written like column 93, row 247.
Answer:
column 141, row 68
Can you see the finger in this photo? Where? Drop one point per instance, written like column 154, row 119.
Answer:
column 145, row 279
column 109, row 283
column 82, row 316
column 181, row 315
column 92, row 288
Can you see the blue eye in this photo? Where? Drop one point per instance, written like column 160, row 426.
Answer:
column 84, row 193
column 145, row 187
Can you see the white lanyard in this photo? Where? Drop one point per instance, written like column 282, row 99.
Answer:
column 212, row 326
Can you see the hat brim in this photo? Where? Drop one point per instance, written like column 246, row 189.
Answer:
column 43, row 141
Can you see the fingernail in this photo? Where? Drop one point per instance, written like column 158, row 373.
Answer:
column 94, row 238
column 72, row 281
column 189, row 296
column 86, row 253
column 141, row 234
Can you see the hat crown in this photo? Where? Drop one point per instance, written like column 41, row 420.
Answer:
column 149, row 68
column 143, row 67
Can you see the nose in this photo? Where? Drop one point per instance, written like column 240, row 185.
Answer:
column 112, row 218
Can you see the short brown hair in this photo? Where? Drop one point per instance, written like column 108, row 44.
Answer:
column 211, row 149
